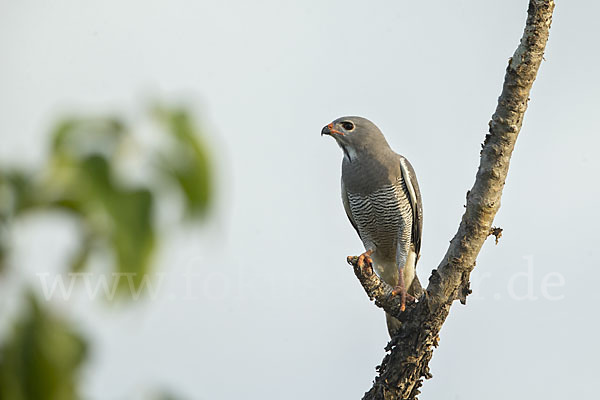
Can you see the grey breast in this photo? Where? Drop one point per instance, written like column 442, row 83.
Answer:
column 383, row 218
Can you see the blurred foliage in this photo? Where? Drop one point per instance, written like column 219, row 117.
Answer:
column 187, row 161
column 83, row 176
column 80, row 177
column 40, row 358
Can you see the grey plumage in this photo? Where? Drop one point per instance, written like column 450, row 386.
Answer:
column 382, row 200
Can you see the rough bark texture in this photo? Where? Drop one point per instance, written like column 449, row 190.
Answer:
column 402, row 370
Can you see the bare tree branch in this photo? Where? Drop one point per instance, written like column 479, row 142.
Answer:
column 401, row 371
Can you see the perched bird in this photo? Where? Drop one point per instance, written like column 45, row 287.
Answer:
column 382, row 201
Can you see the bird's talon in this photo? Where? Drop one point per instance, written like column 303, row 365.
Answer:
column 365, row 257
column 399, row 290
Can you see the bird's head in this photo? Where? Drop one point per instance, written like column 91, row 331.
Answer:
column 356, row 136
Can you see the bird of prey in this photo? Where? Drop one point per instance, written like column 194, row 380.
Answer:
column 383, row 203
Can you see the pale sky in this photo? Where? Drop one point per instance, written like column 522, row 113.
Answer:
column 277, row 313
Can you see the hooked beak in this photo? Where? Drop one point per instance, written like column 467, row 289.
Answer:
column 328, row 130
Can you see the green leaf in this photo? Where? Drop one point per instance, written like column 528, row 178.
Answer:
column 133, row 237
column 186, row 161
column 18, row 192
column 123, row 216
column 41, row 357
column 74, row 138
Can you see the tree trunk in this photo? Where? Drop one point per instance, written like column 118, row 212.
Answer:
column 402, row 370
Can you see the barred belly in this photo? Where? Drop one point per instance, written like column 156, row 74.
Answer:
column 384, row 220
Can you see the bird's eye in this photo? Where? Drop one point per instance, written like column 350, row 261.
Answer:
column 347, row 125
